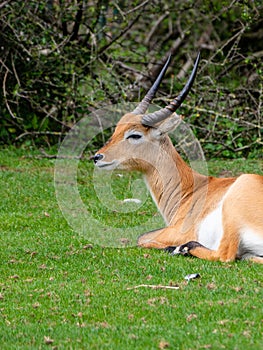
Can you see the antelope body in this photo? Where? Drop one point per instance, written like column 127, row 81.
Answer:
column 207, row 217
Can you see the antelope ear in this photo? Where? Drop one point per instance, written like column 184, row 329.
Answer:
column 166, row 126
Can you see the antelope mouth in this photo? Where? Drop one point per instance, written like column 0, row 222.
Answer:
column 107, row 165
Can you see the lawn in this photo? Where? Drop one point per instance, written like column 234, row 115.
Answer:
column 64, row 285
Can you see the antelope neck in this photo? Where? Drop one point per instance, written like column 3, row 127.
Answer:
column 171, row 181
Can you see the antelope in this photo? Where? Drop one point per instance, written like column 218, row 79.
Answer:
column 216, row 219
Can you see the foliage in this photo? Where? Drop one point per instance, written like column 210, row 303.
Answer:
column 58, row 290
column 62, row 59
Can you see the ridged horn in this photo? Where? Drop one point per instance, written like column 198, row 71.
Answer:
column 143, row 105
column 153, row 118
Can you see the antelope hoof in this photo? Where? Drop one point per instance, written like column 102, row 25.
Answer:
column 173, row 250
column 185, row 249
column 170, row 249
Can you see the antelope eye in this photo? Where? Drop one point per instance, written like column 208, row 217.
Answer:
column 134, row 136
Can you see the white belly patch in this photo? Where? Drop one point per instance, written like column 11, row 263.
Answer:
column 251, row 244
column 211, row 229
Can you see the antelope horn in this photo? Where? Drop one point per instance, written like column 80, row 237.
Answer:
column 143, row 105
column 156, row 117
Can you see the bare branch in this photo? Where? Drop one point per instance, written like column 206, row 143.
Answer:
column 155, row 27
column 14, row 70
column 5, row 96
column 138, row 7
column 37, row 133
column 4, row 3
column 5, row 66
column 184, row 69
column 119, row 10
column 125, row 30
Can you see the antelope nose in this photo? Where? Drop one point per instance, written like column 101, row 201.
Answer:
column 97, row 157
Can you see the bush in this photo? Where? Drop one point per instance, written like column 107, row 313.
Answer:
column 62, row 59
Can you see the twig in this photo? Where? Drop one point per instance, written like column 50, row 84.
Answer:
column 57, row 156
column 153, row 286
column 225, row 9
column 105, row 47
column 50, row 114
column 19, row 40
column 3, row 63
column 155, row 27
column 3, row 4
column 5, row 96
column 119, row 10
column 137, row 7
column 37, row 133
column 184, row 69
column 220, row 49
column 14, row 70
column 131, row 69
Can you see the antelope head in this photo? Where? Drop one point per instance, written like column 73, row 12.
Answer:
column 138, row 135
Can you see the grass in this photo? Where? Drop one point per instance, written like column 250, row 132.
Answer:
column 60, row 289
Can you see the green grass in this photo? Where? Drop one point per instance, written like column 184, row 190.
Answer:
column 61, row 290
